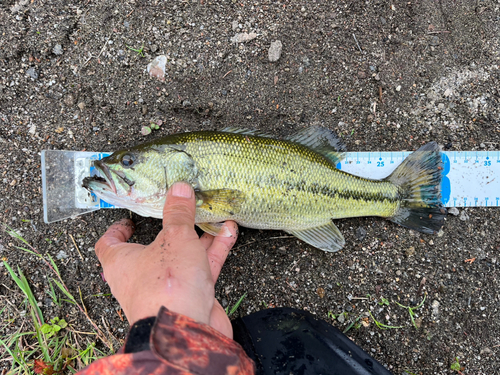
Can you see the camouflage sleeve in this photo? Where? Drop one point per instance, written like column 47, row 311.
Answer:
column 177, row 345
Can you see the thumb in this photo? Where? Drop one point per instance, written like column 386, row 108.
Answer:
column 180, row 206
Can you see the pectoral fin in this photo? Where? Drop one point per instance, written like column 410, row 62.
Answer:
column 220, row 203
column 215, row 229
column 325, row 237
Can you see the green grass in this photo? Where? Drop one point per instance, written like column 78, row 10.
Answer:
column 236, row 305
column 140, row 51
column 411, row 310
column 382, row 325
column 40, row 346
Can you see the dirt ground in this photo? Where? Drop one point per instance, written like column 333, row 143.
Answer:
column 386, row 75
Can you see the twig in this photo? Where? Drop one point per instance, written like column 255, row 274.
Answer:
column 224, row 76
column 77, row 249
column 267, row 239
column 360, row 50
column 359, row 298
column 438, row 32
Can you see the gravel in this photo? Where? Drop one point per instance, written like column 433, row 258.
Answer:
column 217, row 60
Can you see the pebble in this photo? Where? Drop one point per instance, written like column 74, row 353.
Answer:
column 224, row 302
column 69, row 100
column 156, row 68
column 243, row 37
column 435, row 308
column 144, row 110
column 61, row 255
column 434, row 41
column 57, row 50
column 341, row 318
column 361, row 233
column 398, row 88
column 81, row 105
column 321, row 292
column 464, row 216
column 275, row 49
column 186, row 103
column 410, row 251
column 454, row 211
column 32, row 73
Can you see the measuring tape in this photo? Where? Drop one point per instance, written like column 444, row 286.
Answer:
column 470, row 178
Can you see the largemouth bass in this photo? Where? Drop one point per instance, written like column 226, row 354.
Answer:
column 264, row 183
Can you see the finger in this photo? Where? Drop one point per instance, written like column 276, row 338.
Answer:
column 179, row 206
column 217, row 252
column 116, row 234
column 207, row 240
column 220, row 321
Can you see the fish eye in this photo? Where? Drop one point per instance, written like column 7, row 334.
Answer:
column 127, row 160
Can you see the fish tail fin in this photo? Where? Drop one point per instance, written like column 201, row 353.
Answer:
column 418, row 180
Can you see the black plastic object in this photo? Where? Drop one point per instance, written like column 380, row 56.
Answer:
column 286, row 341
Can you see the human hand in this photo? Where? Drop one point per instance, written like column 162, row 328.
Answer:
column 177, row 270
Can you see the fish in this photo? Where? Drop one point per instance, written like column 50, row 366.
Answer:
column 261, row 182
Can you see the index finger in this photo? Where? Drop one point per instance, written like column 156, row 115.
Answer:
column 221, row 245
column 116, row 234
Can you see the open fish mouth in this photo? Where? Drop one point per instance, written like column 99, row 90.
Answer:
column 106, row 183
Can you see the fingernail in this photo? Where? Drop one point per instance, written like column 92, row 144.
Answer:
column 181, row 190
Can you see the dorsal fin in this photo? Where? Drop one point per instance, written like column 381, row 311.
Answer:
column 243, row 131
column 321, row 140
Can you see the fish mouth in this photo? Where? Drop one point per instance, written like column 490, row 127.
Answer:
column 107, row 182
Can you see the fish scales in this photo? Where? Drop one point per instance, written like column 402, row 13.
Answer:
column 286, row 185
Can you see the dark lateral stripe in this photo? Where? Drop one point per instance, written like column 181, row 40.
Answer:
column 336, row 193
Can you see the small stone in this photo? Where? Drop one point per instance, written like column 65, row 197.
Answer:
column 81, row 105
column 431, row 242
column 234, row 25
column 341, row 318
column 61, row 255
column 440, row 233
column 448, row 92
column 435, row 308
column 57, row 50
column 275, row 51
column 186, row 103
column 243, row 37
column 383, row 21
column 321, row 292
column 32, row 129
column 59, row 130
column 144, row 110
column 361, row 74
column 13, row 182
column 153, row 48
column 482, row 145
column 32, row 73
column 486, row 351
column 377, row 77
column 361, row 233
column 464, row 216
column 224, row 302
column 69, row 100
column 410, row 251
column 398, row 88
column 434, row 41
column 156, row 68
column 454, row 211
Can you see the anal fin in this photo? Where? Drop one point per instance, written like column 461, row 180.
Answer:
column 215, row 229
column 326, row 237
